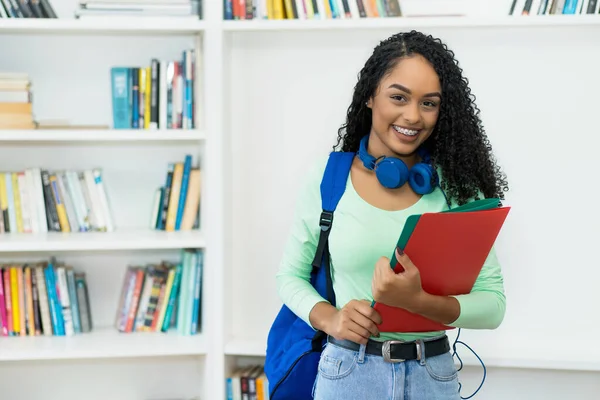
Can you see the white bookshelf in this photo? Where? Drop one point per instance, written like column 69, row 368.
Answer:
column 133, row 239
column 112, row 25
column 101, row 135
column 413, row 22
column 246, row 347
column 102, row 343
column 134, row 164
column 236, row 314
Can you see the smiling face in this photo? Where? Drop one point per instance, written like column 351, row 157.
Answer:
column 405, row 108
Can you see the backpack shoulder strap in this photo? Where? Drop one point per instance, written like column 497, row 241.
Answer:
column 333, row 185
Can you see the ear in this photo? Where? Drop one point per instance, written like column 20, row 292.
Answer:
column 369, row 103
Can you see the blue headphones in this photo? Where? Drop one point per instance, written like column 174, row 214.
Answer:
column 392, row 172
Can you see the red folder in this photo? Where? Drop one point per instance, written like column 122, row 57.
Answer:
column 449, row 249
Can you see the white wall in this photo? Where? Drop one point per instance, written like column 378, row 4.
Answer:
column 535, row 86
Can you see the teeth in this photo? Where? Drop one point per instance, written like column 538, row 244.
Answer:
column 407, row 132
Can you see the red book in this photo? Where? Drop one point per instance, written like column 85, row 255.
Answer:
column 449, row 249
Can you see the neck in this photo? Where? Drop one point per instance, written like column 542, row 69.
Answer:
column 377, row 148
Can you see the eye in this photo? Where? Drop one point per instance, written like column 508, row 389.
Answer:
column 398, row 97
column 429, row 103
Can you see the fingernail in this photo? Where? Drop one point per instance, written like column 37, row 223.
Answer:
column 399, row 250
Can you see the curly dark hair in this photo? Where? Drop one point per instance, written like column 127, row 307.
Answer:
column 458, row 144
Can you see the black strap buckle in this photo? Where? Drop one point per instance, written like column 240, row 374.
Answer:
column 326, row 220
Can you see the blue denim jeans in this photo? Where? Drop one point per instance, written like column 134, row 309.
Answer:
column 354, row 375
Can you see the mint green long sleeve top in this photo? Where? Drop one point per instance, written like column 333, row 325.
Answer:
column 362, row 233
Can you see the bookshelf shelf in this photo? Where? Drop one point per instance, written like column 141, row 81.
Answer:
column 101, row 343
column 101, row 135
column 513, row 357
column 246, row 347
column 112, row 25
column 412, row 22
column 106, row 241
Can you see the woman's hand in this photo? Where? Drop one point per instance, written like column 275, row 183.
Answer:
column 402, row 290
column 357, row 321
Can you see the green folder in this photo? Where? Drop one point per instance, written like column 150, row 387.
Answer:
column 411, row 222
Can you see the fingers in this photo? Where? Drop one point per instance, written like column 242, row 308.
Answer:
column 364, row 308
column 351, row 335
column 358, row 334
column 404, row 260
column 349, row 329
column 366, row 324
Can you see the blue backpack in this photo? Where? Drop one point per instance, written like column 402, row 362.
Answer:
column 293, row 347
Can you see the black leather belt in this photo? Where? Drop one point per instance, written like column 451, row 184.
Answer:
column 397, row 350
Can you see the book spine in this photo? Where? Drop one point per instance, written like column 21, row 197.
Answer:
column 37, row 322
column 84, row 303
column 3, row 316
column 154, row 95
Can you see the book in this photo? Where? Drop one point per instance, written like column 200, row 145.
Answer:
column 449, row 248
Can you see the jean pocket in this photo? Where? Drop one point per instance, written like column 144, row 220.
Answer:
column 441, row 367
column 336, row 362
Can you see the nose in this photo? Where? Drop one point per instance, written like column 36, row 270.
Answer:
column 412, row 114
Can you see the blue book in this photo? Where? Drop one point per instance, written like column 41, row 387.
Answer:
column 54, row 302
column 121, row 97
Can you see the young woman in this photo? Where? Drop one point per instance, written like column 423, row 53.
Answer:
column 410, row 97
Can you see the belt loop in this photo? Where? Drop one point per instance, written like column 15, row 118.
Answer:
column 361, row 353
column 421, row 351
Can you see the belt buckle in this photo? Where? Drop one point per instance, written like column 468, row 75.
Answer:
column 386, row 350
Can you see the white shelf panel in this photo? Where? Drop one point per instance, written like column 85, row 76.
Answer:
column 412, row 22
column 103, row 25
column 101, row 343
column 512, row 358
column 245, row 347
column 85, row 241
column 100, row 135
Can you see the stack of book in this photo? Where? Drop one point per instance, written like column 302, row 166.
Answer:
column 249, row 382
column 16, row 111
column 310, row 9
column 158, row 297
column 177, row 202
column 156, row 96
column 43, row 298
column 554, row 7
column 26, row 9
column 39, row 200
column 139, row 8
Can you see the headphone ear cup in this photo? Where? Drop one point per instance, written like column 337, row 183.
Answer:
column 423, row 178
column 392, row 173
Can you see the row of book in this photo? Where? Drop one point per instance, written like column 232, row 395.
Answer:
column 39, row 200
column 249, row 382
column 554, row 7
column 16, row 108
column 176, row 203
column 310, row 9
column 158, row 297
column 139, row 8
column 26, row 9
column 43, row 298
column 158, row 96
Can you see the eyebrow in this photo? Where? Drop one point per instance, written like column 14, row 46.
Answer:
column 407, row 90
